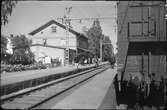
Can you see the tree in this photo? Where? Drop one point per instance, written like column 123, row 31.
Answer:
column 20, row 42
column 107, row 48
column 3, row 44
column 94, row 38
column 94, row 35
column 21, row 50
column 6, row 9
column 4, row 54
column 108, row 53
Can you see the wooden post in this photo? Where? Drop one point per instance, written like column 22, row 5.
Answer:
column 67, row 24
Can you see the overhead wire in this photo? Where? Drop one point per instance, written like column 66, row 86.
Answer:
column 89, row 18
column 92, row 18
column 80, row 12
column 100, row 18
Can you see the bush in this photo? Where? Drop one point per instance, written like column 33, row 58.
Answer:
column 6, row 68
column 19, row 67
column 41, row 66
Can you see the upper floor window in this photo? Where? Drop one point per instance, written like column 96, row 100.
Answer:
column 53, row 29
column 44, row 42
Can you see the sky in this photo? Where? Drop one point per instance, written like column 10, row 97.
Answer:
column 29, row 15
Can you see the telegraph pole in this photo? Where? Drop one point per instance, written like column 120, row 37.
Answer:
column 67, row 23
column 101, row 49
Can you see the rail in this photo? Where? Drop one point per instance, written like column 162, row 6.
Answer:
column 39, row 95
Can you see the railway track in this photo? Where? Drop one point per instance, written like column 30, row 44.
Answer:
column 39, row 95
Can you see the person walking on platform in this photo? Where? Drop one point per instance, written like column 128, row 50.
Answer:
column 96, row 62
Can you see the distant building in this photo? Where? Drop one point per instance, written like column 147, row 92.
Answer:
column 49, row 40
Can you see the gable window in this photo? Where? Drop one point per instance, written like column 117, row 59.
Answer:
column 53, row 29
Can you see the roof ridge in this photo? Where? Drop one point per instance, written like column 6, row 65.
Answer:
column 48, row 24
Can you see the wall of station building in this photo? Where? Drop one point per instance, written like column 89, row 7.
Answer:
column 42, row 52
column 52, row 40
column 57, row 38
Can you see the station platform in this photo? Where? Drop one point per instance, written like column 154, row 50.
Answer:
column 99, row 93
column 15, row 81
column 14, row 77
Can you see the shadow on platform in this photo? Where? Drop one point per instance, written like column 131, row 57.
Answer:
column 109, row 101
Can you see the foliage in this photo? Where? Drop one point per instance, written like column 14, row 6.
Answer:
column 107, row 48
column 19, row 67
column 5, row 58
column 4, row 55
column 108, row 54
column 6, row 9
column 21, row 50
column 3, row 44
column 20, row 42
column 94, row 35
column 94, row 38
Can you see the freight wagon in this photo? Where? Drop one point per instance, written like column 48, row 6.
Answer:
column 142, row 50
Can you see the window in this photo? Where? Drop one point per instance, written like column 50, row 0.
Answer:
column 44, row 42
column 53, row 29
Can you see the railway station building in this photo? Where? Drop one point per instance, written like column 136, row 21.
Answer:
column 49, row 43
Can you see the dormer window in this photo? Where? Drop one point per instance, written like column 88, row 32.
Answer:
column 53, row 29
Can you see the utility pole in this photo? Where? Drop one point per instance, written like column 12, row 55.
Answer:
column 101, row 49
column 67, row 23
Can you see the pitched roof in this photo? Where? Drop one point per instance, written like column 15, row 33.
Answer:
column 53, row 22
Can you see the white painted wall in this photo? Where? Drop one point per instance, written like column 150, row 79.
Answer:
column 41, row 51
column 55, row 39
